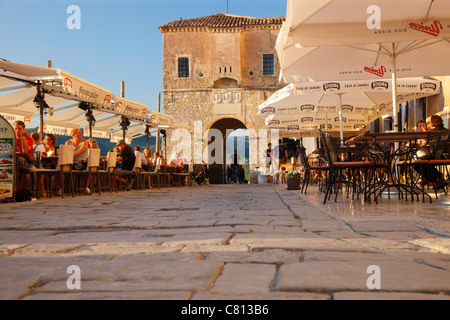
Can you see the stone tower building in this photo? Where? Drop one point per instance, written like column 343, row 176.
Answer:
column 216, row 71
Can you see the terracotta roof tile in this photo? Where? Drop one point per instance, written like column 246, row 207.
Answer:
column 222, row 21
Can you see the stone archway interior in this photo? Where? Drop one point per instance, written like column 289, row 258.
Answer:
column 217, row 171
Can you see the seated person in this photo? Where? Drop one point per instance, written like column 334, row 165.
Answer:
column 137, row 151
column 148, row 155
column 93, row 144
column 80, row 154
column 127, row 159
column 156, row 156
column 427, row 171
column 51, row 151
column 176, row 161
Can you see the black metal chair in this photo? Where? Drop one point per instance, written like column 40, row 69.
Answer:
column 337, row 170
column 307, row 167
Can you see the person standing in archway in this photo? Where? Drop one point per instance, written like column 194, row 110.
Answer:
column 279, row 156
column 234, row 162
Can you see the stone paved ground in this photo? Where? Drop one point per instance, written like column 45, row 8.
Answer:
column 257, row 242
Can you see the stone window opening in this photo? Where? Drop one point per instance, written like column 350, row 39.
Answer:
column 268, row 64
column 183, row 67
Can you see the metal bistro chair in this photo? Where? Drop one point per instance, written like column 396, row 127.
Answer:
column 337, row 170
column 64, row 167
column 307, row 167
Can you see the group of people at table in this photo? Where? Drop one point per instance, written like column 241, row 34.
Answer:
column 28, row 146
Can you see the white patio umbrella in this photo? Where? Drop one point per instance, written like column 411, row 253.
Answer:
column 46, row 88
column 336, row 39
column 357, row 102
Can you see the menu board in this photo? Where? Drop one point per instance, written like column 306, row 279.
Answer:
column 7, row 159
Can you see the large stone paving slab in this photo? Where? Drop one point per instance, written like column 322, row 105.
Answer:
column 223, row 242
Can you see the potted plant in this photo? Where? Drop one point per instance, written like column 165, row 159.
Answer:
column 293, row 180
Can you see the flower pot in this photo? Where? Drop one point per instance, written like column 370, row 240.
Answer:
column 293, row 184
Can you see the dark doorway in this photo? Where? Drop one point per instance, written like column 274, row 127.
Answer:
column 221, row 129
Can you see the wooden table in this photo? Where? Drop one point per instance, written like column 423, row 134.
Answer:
column 285, row 167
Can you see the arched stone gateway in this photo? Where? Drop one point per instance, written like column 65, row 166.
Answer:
column 219, row 148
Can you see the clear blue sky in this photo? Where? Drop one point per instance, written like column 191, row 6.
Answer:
column 118, row 41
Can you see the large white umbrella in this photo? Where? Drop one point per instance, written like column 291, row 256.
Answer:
column 47, row 88
column 347, row 39
column 305, row 122
column 354, row 103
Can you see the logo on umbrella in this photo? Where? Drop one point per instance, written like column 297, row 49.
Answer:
column 378, row 72
column 380, row 85
column 307, row 107
column 274, row 122
column 268, row 110
column 307, row 119
column 428, row 86
column 331, row 86
column 67, row 82
column 107, row 99
column 347, row 107
column 322, row 126
column 293, row 128
column 433, row 29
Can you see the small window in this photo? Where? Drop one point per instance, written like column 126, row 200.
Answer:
column 183, row 67
column 268, row 64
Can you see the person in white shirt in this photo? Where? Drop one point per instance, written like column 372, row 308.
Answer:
column 137, row 150
column 177, row 161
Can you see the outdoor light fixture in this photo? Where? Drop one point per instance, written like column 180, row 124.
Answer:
column 124, row 123
column 40, row 102
column 84, row 106
column 90, row 117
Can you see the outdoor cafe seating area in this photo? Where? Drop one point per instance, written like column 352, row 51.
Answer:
column 65, row 180
column 371, row 166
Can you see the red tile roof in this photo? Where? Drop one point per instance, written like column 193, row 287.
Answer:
column 223, row 21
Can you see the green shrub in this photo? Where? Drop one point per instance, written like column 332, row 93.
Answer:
column 293, row 175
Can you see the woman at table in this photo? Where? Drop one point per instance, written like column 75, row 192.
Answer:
column 51, row 150
column 49, row 158
column 428, row 172
column 148, row 155
column 424, row 152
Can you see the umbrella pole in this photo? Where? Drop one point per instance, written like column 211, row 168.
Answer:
column 340, row 119
column 394, row 90
column 41, row 124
